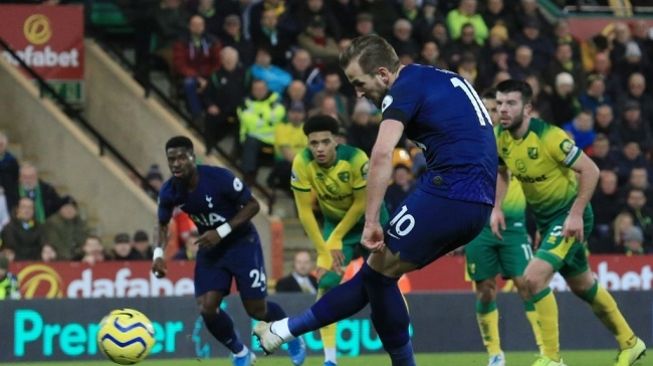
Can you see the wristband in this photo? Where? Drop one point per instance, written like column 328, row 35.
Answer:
column 223, row 230
column 158, row 253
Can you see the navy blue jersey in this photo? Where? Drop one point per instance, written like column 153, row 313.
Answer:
column 219, row 195
column 445, row 117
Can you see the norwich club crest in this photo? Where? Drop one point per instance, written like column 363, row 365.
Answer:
column 343, row 176
column 533, row 153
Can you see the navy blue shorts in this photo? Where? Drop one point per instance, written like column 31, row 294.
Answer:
column 425, row 226
column 242, row 260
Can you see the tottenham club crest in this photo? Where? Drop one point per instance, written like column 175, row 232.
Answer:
column 386, row 102
column 209, row 200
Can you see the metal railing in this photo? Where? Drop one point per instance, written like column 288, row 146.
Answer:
column 150, row 88
column 46, row 90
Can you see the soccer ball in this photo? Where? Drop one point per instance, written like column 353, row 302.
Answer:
column 126, row 336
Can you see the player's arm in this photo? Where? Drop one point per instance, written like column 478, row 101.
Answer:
column 304, row 203
column 165, row 214
column 212, row 238
column 377, row 181
column 588, row 177
column 497, row 219
column 356, row 210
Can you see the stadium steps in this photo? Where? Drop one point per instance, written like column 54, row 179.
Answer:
column 295, row 239
column 67, row 156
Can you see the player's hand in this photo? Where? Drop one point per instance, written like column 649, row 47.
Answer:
column 497, row 222
column 372, row 238
column 208, row 240
column 159, row 268
column 338, row 261
column 573, row 227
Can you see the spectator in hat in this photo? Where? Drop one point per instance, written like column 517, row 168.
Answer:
column 66, row 231
column 426, row 21
column 225, row 92
column 8, row 172
column 45, row 197
column 142, row 244
column 9, row 287
column 154, row 178
column 232, row 36
column 314, row 39
column 311, row 9
column 594, row 94
column 464, row 44
column 633, row 128
column 123, row 249
column 564, row 103
column 364, row 24
column 364, row 126
column 542, row 47
column 633, row 241
column 496, row 13
column 467, row 13
column 289, row 140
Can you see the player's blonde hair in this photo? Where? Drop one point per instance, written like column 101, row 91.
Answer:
column 371, row 52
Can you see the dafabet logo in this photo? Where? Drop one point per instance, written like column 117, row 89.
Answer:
column 37, row 29
column 35, row 276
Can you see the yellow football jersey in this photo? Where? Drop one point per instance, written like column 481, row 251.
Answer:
column 541, row 162
column 334, row 186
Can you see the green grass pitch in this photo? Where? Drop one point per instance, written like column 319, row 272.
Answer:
column 571, row 358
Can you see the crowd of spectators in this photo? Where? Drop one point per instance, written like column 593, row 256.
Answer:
column 260, row 68
column 253, row 71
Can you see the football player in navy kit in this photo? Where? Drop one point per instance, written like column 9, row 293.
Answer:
column 221, row 207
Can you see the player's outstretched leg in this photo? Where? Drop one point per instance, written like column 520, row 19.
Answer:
column 341, row 302
column 269, row 311
column 220, row 325
column 389, row 315
column 487, row 317
column 631, row 348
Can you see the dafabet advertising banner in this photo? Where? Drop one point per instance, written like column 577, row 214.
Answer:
column 50, row 39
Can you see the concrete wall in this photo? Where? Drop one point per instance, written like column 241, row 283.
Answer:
column 137, row 126
column 71, row 157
